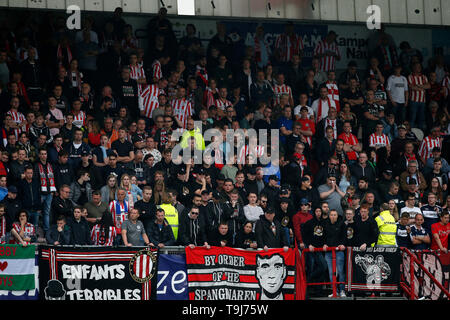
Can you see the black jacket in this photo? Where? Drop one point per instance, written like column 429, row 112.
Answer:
column 265, row 236
column 191, row 231
column 12, row 206
column 313, row 233
column 64, row 174
column 30, row 194
column 60, row 207
column 216, row 238
column 163, row 235
column 64, row 237
column 367, row 231
column 80, row 231
column 334, row 233
column 243, row 240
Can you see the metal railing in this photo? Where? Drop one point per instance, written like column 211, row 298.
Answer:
column 410, row 290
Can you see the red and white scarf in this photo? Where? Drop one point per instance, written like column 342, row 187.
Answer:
column 59, row 53
column 44, row 175
column 319, row 109
column 333, row 93
column 202, row 74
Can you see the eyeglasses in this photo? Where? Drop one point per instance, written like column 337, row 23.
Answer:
column 305, row 204
column 263, row 201
column 194, row 212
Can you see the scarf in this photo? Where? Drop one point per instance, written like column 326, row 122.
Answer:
column 388, row 63
column 43, row 175
column 333, row 93
column 77, row 78
column 60, row 55
column 319, row 111
column 202, row 74
column 118, row 213
column 409, row 158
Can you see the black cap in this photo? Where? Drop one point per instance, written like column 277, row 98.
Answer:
column 216, row 194
column 200, row 170
column 84, row 153
column 182, row 170
column 284, row 191
column 12, row 189
column 304, row 179
column 284, row 200
column 387, row 170
column 274, row 177
column 251, row 170
column 270, row 210
column 304, row 201
column 204, row 192
column 220, row 176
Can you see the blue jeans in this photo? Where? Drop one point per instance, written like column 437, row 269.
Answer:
column 340, row 260
column 46, row 203
column 316, row 266
column 33, row 216
column 417, row 115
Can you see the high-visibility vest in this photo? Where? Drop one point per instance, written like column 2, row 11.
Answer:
column 388, row 230
column 171, row 215
column 199, row 141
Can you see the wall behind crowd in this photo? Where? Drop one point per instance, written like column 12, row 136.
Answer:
column 352, row 37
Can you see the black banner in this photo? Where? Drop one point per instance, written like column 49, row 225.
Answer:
column 375, row 269
column 97, row 273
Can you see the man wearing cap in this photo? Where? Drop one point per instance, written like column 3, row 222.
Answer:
column 12, row 204
column 272, row 189
column 300, row 218
column 269, row 233
column 214, row 212
column 398, row 143
column 385, row 180
column 284, row 212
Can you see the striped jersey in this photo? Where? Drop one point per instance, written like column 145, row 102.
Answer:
column 182, row 109
column 428, row 143
column 333, row 93
column 18, row 118
column 28, row 232
column 331, row 123
column 137, row 72
column 157, row 70
column 413, row 80
column 148, row 100
column 446, row 85
column 244, row 152
column 222, row 104
column 79, row 120
column 308, row 124
column 279, row 90
column 327, row 63
column 98, row 236
column 378, row 140
column 208, row 97
column 288, row 46
column 119, row 213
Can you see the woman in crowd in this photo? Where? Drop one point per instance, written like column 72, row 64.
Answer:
column 134, row 193
column 109, row 190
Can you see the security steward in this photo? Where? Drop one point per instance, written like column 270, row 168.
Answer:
column 387, row 229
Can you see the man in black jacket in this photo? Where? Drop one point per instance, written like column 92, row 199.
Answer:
column 64, row 174
column 79, row 226
column 221, row 237
column 30, row 194
column 269, row 233
column 59, row 233
column 367, row 228
column 146, row 208
column 61, row 205
column 160, row 232
column 313, row 237
column 192, row 229
column 12, row 204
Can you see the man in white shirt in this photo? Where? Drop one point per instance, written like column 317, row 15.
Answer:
column 397, row 90
column 322, row 105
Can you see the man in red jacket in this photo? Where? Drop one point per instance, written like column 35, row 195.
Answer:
column 299, row 219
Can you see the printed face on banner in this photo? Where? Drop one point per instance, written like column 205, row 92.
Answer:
column 271, row 273
column 376, row 269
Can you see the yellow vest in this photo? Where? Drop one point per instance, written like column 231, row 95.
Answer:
column 388, row 229
column 171, row 215
column 199, row 141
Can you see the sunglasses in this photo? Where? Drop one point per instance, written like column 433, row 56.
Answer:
column 194, row 212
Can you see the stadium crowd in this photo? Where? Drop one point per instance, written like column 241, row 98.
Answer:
column 89, row 116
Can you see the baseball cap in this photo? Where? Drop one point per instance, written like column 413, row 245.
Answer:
column 284, row 200
column 205, row 192
column 182, row 170
column 12, row 189
column 84, row 153
column 216, row 194
column 274, row 177
column 304, row 201
column 251, row 170
column 220, row 176
column 402, row 126
column 200, row 170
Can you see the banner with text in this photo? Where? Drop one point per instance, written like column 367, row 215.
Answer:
column 375, row 269
column 438, row 264
column 17, row 267
column 236, row 274
column 97, row 273
column 172, row 277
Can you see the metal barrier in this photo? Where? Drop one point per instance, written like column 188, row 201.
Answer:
column 410, row 291
column 334, row 283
